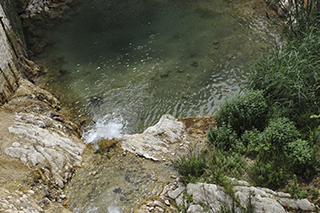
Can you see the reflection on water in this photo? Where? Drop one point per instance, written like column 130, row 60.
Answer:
column 132, row 61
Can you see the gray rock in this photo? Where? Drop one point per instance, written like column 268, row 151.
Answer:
column 210, row 194
column 45, row 147
column 195, row 209
column 173, row 194
column 160, row 142
column 298, row 204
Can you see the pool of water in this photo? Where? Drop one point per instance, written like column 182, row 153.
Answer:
column 125, row 63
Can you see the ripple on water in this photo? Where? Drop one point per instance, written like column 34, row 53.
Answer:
column 121, row 57
column 126, row 63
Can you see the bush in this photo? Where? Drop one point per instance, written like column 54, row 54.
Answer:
column 303, row 158
column 268, row 174
column 224, row 138
column 289, row 79
column 251, row 140
column 243, row 112
column 230, row 164
column 191, row 167
column 276, row 137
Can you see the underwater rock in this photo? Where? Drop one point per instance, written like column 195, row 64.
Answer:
column 180, row 70
column 96, row 101
column 194, row 64
column 164, row 74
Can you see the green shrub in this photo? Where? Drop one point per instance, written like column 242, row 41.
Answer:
column 191, row 167
column 224, row 138
column 267, row 174
column 230, row 164
column 251, row 140
column 289, row 79
column 294, row 190
column 276, row 137
column 243, row 112
column 303, row 158
column 314, row 193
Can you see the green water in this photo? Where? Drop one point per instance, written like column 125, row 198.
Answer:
column 126, row 63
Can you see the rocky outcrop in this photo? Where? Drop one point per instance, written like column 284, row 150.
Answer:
column 39, row 147
column 203, row 197
column 8, row 71
column 161, row 142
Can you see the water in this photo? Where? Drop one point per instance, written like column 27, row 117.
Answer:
column 126, row 63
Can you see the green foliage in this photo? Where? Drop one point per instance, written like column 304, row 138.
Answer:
column 289, row 79
column 243, row 112
column 314, row 193
column 224, row 163
column 224, row 138
column 302, row 18
column 276, row 137
column 268, row 174
column 251, row 140
column 303, row 158
column 294, row 190
column 188, row 197
column 191, row 167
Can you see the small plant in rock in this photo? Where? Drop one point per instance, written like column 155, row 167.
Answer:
column 191, row 167
column 294, row 190
column 249, row 207
column 314, row 193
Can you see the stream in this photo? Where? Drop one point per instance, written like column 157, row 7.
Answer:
column 123, row 64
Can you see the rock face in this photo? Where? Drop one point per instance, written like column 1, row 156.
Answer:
column 40, row 141
column 39, row 136
column 203, row 197
column 160, row 142
column 8, row 71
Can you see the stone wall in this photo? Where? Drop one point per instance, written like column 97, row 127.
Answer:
column 8, row 68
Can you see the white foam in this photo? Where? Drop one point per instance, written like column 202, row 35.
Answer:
column 108, row 127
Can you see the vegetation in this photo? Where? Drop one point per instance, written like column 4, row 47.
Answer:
column 243, row 112
column 272, row 122
column 295, row 190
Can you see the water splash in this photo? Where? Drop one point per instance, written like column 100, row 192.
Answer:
column 108, row 127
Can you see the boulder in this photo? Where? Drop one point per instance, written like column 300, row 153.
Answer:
column 161, row 142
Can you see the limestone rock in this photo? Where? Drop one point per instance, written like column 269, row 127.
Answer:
column 210, row 194
column 159, row 142
column 44, row 145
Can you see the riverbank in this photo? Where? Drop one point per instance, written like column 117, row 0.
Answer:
column 41, row 149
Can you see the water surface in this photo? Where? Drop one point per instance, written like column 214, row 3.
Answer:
column 126, row 63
